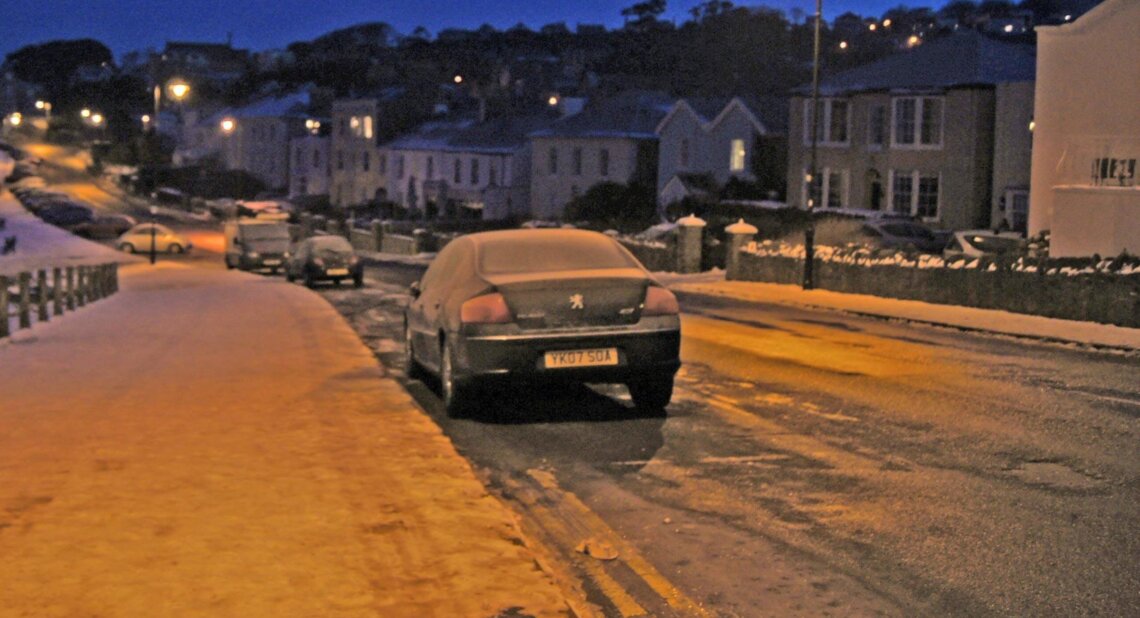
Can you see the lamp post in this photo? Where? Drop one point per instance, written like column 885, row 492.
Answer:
column 153, row 231
column 175, row 88
column 46, row 106
column 813, row 172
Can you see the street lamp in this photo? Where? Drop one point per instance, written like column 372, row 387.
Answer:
column 153, row 214
column 46, row 106
column 228, row 125
column 85, row 112
column 813, row 173
column 175, row 88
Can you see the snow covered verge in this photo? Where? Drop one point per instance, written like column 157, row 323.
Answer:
column 1095, row 290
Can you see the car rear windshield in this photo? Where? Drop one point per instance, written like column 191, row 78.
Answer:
column 336, row 244
column 551, row 251
column 265, row 232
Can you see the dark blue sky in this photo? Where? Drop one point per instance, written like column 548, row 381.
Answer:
column 127, row 25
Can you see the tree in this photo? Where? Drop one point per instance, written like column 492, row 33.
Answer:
column 644, row 14
column 53, row 63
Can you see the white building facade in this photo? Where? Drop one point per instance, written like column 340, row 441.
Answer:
column 1086, row 139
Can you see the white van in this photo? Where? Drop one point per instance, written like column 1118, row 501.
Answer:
column 256, row 244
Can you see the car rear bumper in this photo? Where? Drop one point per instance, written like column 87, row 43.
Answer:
column 521, row 357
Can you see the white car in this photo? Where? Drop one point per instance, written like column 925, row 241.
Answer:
column 978, row 243
column 138, row 239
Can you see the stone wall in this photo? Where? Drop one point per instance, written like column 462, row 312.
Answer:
column 1093, row 297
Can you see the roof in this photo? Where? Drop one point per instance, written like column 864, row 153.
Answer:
column 632, row 115
column 503, row 135
column 960, row 59
column 768, row 113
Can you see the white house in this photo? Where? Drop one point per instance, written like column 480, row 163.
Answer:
column 704, row 143
column 1086, row 138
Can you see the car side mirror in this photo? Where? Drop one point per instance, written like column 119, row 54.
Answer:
column 414, row 289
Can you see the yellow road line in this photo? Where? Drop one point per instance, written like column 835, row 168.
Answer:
column 636, row 562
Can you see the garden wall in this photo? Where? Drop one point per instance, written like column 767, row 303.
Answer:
column 1092, row 297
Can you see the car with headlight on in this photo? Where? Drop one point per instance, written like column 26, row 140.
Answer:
column 541, row 305
column 324, row 258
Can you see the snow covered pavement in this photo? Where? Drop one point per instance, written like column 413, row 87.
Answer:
column 211, row 443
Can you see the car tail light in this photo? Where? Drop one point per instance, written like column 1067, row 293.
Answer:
column 659, row 301
column 485, row 309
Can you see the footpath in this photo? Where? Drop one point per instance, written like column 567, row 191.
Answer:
column 211, row 443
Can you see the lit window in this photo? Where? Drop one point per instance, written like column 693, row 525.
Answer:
column 917, row 122
column 368, row 127
column 736, row 164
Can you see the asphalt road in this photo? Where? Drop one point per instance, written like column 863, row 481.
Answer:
column 821, row 464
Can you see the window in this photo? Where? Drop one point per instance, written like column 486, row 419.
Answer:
column 877, row 127
column 383, row 164
column 552, row 161
column 737, row 155
column 368, row 127
column 834, row 118
column 494, row 178
column 474, row 171
column 298, row 156
column 430, row 168
column 684, row 154
column 366, row 161
column 915, row 193
column 829, row 187
column 400, row 166
column 340, row 159
column 576, row 161
column 917, row 122
column 604, row 162
column 458, row 177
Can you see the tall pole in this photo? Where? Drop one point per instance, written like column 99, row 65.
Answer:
column 813, row 171
column 157, row 99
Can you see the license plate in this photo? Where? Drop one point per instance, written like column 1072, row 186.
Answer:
column 271, row 262
column 600, row 357
column 337, row 271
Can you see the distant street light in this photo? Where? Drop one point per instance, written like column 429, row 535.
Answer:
column 46, row 106
column 458, row 79
column 176, row 88
column 85, row 112
column 15, row 118
column 227, row 125
column 96, row 119
column 313, row 125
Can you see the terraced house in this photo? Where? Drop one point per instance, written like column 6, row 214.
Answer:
column 940, row 132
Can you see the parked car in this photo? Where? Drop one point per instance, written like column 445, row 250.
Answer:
column 138, row 239
column 324, row 258
column 978, row 243
column 899, row 233
column 110, row 225
column 256, row 244
column 36, row 199
column 542, row 305
column 66, row 214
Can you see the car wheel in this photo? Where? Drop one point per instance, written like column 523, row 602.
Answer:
column 412, row 367
column 128, row 247
column 651, row 394
column 174, row 248
column 457, row 397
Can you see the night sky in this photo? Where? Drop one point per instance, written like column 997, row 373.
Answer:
column 129, row 25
